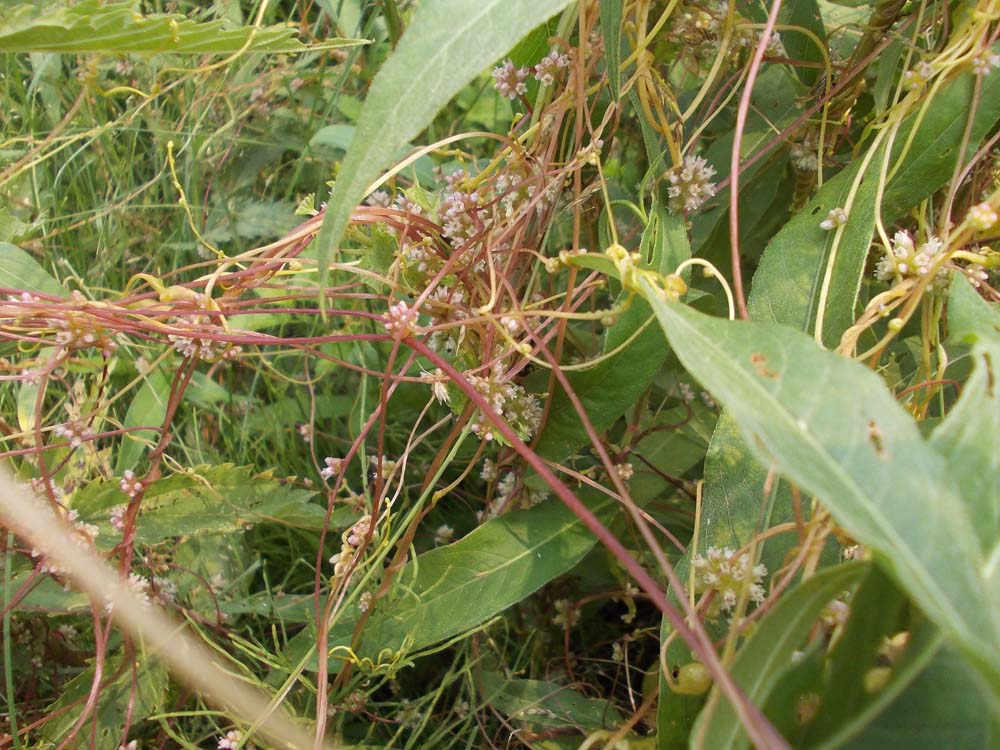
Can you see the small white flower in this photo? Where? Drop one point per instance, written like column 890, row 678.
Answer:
column 333, row 466
column 836, row 218
column 231, row 740
column 400, row 320
column 444, row 535
column 129, row 484
column 981, row 217
column 625, row 471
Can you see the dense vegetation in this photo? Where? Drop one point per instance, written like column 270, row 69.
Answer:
column 500, row 373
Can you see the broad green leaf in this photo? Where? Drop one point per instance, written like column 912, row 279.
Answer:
column 251, row 219
column 19, row 271
column 117, row 28
column 148, row 408
column 446, row 45
column 874, row 616
column 547, row 704
column 611, row 387
column 829, row 425
column 767, row 654
column 935, row 700
column 969, row 437
column 790, row 275
column 211, row 500
column 453, row 589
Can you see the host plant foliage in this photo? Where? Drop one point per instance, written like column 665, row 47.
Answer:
column 550, row 374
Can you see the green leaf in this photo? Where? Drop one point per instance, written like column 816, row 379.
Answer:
column 829, row 425
column 453, row 589
column 447, row 44
column 19, row 271
column 611, row 387
column 969, row 437
column 767, row 654
column 611, row 31
column 548, row 704
column 942, row 705
column 211, row 500
column 874, row 614
column 148, row 408
column 116, row 27
column 787, row 284
column 804, row 14
column 251, row 219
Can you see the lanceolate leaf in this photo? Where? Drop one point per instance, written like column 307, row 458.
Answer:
column 548, row 704
column 19, row 271
column 448, row 43
column 453, row 589
column 829, row 425
column 116, row 28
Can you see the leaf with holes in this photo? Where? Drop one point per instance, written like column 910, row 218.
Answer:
column 830, row 425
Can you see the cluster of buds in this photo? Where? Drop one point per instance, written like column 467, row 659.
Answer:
column 350, row 541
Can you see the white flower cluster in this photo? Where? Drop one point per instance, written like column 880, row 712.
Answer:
column 906, row 259
column 333, row 466
column 117, row 517
column 521, row 409
column 509, row 80
column 919, row 75
column 199, row 348
column 690, row 184
column 981, row 217
column 728, row 576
